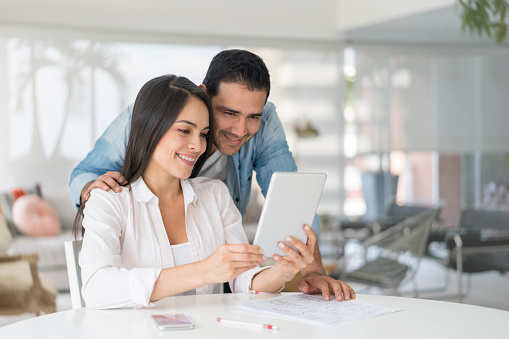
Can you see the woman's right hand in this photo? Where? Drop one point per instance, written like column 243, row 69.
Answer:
column 230, row 260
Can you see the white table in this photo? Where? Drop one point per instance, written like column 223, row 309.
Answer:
column 418, row 319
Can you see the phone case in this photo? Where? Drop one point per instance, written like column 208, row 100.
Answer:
column 168, row 322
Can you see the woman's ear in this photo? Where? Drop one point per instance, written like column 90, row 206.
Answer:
column 203, row 88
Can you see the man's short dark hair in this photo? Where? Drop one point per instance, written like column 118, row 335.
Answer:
column 237, row 66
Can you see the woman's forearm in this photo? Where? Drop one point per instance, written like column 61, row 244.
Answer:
column 269, row 280
column 174, row 280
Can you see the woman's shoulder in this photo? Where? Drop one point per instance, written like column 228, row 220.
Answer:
column 100, row 197
column 106, row 208
column 110, row 194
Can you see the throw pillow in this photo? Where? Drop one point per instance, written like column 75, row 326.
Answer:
column 34, row 216
column 7, row 200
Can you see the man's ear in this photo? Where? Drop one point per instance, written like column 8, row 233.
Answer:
column 203, row 88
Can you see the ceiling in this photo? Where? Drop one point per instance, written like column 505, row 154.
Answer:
column 437, row 26
column 323, row 22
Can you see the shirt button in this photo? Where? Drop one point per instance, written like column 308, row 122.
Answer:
column 249, row 179
column 237, row 199
column 239, row 167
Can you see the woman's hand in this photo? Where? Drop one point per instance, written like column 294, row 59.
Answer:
column 295, row 261
column 230, row 260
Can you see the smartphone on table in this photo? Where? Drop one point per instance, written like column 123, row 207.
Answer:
column 168, row 322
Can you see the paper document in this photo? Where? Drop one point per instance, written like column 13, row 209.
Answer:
column 313, row 308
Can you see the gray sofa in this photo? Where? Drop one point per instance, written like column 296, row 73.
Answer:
column 51, row 263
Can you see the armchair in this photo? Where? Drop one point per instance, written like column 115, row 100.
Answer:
column 390, row 258
column 393, row 214
column 479, row 243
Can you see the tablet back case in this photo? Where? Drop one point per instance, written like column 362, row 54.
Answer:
column 291, row 202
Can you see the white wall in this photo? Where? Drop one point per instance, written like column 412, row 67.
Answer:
column 287, row 19
column 360, row 13
column 299, row 20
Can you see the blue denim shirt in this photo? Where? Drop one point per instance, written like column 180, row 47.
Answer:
column 267, row 152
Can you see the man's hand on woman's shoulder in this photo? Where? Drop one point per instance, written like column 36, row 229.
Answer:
column 109, row 180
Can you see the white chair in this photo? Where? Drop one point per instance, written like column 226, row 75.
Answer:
column 72, row 255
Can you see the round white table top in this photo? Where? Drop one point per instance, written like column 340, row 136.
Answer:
column 419, row 318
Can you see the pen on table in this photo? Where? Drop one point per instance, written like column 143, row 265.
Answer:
column 236, row 322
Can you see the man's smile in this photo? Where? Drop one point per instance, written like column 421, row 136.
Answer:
column 233, row 140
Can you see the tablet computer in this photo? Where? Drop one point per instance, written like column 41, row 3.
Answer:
column 291, row 202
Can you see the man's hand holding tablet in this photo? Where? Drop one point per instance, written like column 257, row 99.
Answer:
column 284, row 233
column 295, row 261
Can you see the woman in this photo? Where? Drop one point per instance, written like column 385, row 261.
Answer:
column 169, row 235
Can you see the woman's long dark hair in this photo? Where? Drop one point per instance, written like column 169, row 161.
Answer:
column 156, row 108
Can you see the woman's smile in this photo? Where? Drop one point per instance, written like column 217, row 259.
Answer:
column 188, row 159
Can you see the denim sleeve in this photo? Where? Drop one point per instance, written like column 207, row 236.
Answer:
column 273, row 153
column 107, row 155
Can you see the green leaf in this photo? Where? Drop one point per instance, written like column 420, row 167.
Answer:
column 503, row 10
column 476, row 17
column 487, row 27
column 501, row 32
column 482, row 13
column 499, row 6
column 467, row 20
column 483, row 4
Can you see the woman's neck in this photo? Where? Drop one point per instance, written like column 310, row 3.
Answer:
column 163, row 186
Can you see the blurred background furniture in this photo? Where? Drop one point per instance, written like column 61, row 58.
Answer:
column 36, row 228
column 51, row 253
column 479, row 243
column 377, row 188
column 390, row 258
column 392, row 215
column 22, row 290
column 496, row 194
column 72, row 254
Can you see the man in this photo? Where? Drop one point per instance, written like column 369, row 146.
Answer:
column 248, row 136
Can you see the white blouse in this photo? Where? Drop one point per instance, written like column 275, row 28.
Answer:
column 125, row 246
column 183, row 255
